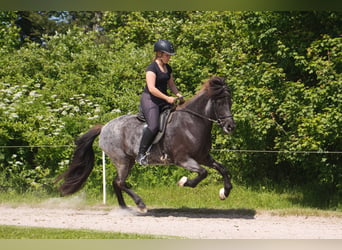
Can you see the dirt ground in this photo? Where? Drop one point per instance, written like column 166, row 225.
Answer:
column 185, row 223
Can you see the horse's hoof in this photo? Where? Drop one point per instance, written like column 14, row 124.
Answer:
column 222, row 194
column 182, row 181
column 142, row 210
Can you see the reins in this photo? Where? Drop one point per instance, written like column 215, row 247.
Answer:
column 193, row 112
column 197, row 114
column 218, row 121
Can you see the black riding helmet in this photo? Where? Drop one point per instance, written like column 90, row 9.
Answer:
column 164, row 46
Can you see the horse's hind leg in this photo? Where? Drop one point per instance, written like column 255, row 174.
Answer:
column 120, row 185
column 118, row 192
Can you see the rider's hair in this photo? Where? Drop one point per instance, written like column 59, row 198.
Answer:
column 158, row 55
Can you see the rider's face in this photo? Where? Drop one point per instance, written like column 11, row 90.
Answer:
column 165, row 57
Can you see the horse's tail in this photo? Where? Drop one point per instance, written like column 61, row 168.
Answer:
column 82, row 163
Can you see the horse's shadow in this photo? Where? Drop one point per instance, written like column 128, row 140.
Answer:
column 202, row 213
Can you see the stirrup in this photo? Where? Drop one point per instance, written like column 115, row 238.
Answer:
column 141, row 159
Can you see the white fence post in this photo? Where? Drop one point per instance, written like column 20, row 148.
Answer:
column 104, row 177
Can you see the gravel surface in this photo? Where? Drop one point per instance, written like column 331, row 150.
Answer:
column 186, row 223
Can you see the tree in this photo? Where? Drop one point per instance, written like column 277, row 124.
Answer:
column 8, row 32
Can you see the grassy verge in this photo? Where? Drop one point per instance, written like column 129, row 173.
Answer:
column 289, row 202
column 17, row 232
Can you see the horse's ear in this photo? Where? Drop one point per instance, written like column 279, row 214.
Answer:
column 216, row 80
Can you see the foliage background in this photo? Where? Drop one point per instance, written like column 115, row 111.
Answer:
column 62, row 72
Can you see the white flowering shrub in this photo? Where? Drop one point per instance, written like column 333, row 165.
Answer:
column 50, row 95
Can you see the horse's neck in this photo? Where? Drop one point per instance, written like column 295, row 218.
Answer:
column 201, row 104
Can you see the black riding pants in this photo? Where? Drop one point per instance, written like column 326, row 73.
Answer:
column 151, row 111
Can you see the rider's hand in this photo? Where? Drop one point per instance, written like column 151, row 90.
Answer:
column 181, row 100
column 171, row 99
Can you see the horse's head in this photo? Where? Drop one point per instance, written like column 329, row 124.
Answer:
column 220, row 97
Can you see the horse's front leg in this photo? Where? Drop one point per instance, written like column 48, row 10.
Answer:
column 224, row 192
column 193, row 166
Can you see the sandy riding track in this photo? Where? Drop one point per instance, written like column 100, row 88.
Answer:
column 187, row 223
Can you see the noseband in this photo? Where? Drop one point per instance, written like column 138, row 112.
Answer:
column 219, row 120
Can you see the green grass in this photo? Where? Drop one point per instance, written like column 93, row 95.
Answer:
column 18, row 232
column 202, row 197
column 291, row 202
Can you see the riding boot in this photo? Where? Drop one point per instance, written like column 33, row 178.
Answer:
column 146, row 141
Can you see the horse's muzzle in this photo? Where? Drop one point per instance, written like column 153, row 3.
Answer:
column 228, row 125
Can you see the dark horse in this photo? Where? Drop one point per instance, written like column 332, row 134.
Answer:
column 186, row 142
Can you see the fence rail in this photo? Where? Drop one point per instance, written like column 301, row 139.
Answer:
column 214, row 150
column 39, row 146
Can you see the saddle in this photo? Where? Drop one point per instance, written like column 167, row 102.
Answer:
column 164, row 119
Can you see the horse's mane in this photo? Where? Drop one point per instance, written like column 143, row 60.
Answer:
column 215, row 87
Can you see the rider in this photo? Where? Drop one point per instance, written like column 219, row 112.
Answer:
column 155, row 97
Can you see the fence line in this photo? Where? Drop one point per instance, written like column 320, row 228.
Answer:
column 219, row 150
column 39, row 146
column 277, row 151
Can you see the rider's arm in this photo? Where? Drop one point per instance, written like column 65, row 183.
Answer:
column 151, row 85
column 173, row 87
